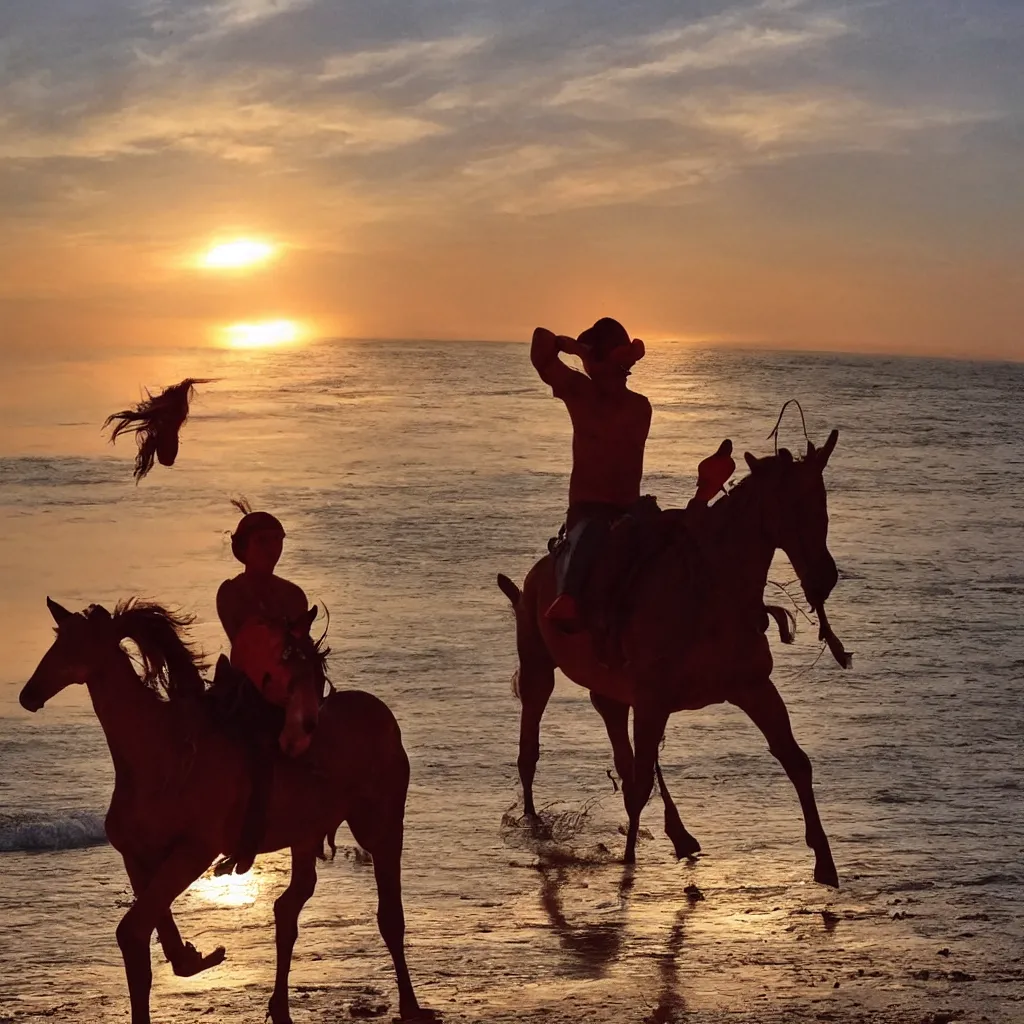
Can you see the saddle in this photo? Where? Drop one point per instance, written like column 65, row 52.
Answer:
column 633, row 545
column 239, row 709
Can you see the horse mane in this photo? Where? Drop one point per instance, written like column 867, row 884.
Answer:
column 160, row 414
column 743, row 486
column 318, row 651
column 171, row 665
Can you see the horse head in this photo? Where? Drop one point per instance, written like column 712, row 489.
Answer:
column 795, row 514
column 73, row 655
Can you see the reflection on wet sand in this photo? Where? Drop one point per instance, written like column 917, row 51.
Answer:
column 671, row 1003
column 228, row 890
column 591, row 948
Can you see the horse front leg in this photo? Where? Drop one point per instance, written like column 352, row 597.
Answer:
column 649, row 721
column 685, row 845
column 286, row 925
column 184, row 958
column 152, row 905
column 616, row 720
column 767, row 710
column 615, row 716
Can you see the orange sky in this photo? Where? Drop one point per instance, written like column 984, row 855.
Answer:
column 782, row 173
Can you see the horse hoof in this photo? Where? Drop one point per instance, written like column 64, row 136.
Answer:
column 419, row 1014
column 686, row 847
column 224, row 867
column 193, row 962
column 278, row 1015
column 826, row 874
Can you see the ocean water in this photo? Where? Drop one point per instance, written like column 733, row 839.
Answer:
column 407, row 475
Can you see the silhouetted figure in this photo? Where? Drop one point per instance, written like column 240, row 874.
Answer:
column 610, row 425
column 258, row 610
column 179, row 789
column 695, row 634
column 156, row 423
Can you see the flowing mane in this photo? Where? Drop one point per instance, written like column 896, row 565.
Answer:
column 155, row 423
column 171, row 665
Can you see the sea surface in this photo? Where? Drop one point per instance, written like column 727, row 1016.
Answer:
column 407, row 475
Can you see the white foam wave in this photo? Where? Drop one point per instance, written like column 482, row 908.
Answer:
column 63, row 830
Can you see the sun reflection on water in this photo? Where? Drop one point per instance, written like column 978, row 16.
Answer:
column 228, row 890
column 262, row 334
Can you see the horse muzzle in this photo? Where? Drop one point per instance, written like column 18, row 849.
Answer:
column 818, row 589
column 29, row 699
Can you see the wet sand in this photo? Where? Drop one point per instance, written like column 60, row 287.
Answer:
column 563, row 934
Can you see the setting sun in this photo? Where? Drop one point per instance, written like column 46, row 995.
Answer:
column 262, row 334
column 236, row 254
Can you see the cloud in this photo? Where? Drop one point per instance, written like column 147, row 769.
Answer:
column 359, row 126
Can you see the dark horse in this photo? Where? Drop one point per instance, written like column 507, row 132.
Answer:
column 695, row 635
column 182, row 783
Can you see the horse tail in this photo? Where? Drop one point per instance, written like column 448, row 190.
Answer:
column 513, row 593
column 509, row 589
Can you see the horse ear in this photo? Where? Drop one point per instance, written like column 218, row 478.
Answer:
column 752, row 461
column 59, row 612
column 830, row 444
column 306, row 621
column 811, row 450
column 785, row 457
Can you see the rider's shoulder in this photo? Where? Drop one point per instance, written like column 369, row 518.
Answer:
column 641, row 402
column 230, row 586
column 287, row 587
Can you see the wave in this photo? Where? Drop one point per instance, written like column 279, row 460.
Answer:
column 63, row 830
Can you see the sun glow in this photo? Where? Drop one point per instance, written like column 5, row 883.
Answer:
column 227, row 890
column 237, row 254
column 263, row 334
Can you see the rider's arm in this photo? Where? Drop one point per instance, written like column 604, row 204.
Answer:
column 544, row 349
column 298, row 603
column 228, row 611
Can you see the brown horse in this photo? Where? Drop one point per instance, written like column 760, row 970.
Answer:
column 694, row 636
column 182, row 784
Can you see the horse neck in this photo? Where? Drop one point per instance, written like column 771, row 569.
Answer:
column 135, row 721
column 742, row 538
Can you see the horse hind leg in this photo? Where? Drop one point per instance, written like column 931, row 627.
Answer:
column 286, row 925
column 767, row 711
column 536, row 683
column 379, row 831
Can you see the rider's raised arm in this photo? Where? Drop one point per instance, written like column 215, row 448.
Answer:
column 544, row 351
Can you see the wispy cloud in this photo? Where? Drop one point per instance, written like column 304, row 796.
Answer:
column 130, row 118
